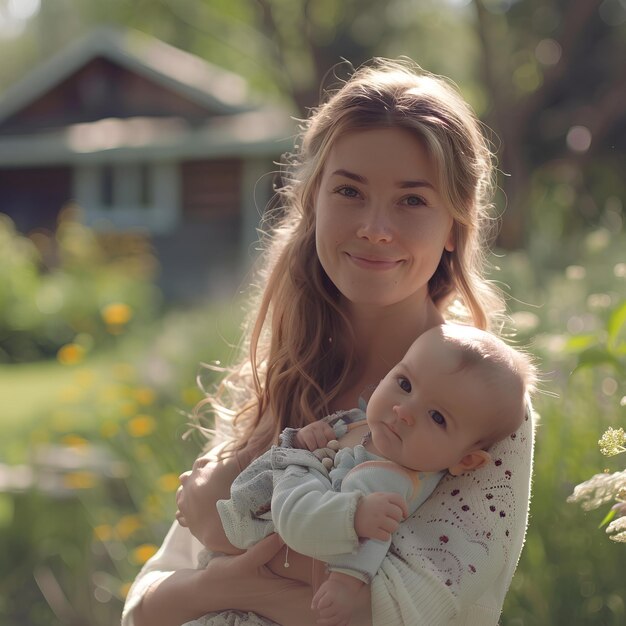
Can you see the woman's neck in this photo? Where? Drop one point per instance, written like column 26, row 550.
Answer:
column 382, row 337
column 384, row 334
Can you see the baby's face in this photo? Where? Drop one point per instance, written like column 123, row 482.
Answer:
column 426, row 414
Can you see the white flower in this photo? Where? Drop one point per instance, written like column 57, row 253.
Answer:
column 618, row 527
column 613, row 442
column 599, row 490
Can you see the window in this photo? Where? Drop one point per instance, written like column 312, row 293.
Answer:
column 129, row 195
column 106, row 185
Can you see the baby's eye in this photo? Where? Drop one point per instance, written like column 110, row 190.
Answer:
column 437, row 417
column 404, row 384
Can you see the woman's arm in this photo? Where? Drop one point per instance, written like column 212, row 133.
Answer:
column 452, row 562
column 170, row 591
column 179, row 552
column 208, row 481
column 188, row 594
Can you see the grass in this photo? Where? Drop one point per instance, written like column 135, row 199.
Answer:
column 27, row 390
column 30, row 392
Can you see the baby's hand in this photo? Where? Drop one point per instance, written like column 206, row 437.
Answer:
column 378, row 515
column 314, row 436
column 335, row 599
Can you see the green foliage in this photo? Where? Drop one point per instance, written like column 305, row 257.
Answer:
column 124, row 415
column 70, row 289
column 568, row 573
column 103, row 463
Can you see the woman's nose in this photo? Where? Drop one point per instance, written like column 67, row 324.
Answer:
column 184, row 476
column 376, row 226
column 403, row 414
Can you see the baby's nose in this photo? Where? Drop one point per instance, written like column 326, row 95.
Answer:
column 403, row 414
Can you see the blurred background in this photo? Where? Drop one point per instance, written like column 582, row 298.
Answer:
column 137, row 145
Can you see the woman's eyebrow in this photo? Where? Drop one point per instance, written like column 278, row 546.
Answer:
column 351, row 175
column 411, row 184
column 404, row 184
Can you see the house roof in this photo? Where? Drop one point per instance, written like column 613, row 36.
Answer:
column 254, row 133
column 175, row 69
column 223, row 93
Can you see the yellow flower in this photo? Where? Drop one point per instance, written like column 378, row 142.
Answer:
column 141, row 425
column 168, row 482
column 103, row 532
column 144, row 395
column 127, row 525
column 74, row 441
column 80, row 480
column 124, row 589
column 142, row 553
column 70, row 354
column 116, row 314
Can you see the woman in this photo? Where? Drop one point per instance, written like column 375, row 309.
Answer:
column 381, row 238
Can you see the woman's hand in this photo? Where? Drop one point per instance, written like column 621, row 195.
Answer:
column 228, row 582
column 208, row 481
column 244, row 582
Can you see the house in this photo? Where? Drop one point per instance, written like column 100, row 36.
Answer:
column 143, row 137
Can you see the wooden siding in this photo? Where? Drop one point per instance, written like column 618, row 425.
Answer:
column 211, row 189
column 33, row 197
column 99, row 90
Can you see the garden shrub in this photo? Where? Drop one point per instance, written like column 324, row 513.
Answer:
column 70, row 288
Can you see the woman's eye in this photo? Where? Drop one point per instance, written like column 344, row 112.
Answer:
column 348, row 192
column 404, row 384
column 414, row 201
column 437, row 417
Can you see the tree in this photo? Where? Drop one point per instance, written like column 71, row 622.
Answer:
column 557, row 82
column 547, row 75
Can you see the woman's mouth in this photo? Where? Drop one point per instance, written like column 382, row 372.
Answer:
column 372, row 262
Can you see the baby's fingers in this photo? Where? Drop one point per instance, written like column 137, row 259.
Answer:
column 323, row 434
column 390, row 525
column 397, row 500
column 316, row 600
column 331, row 616
column 308, row 441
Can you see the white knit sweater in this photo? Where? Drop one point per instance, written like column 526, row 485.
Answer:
column 451, row 563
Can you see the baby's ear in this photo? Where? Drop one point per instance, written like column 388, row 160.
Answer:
column 471, row 461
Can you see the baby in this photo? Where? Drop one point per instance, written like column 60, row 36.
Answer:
column 457, row 391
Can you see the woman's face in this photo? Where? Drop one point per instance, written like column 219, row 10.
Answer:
column 381, row 223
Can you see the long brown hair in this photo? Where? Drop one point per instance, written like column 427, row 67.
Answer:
column 298, row 348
